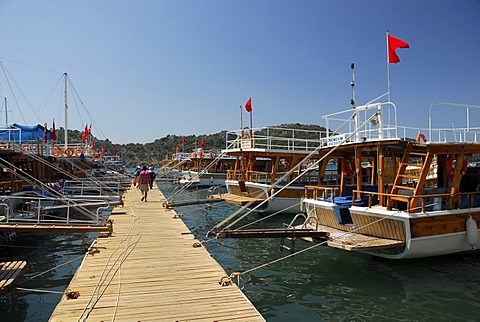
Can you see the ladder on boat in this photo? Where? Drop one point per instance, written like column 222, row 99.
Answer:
column 411, row 183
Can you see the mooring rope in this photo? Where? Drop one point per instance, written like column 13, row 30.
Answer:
column 51, row 269
column 238, row 274
column 105, row 274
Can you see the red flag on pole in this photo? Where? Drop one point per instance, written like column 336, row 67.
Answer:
column 202, row 144
column 53, row 135
column 183, row 140
column 84, row 134
column 393, row 44
column 248, row 105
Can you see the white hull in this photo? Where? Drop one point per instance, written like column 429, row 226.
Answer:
column 205, row 179
column 427, row 246
column 273, row 204
column 418, row 247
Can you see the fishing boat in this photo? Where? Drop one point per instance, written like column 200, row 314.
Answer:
column 267, row 174
column 417, row 198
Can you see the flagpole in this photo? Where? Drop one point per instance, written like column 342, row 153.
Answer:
column 241, row 122
column 251, row 130
column 388, row 69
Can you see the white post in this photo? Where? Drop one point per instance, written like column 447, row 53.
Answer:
column 388, row 70
column 66, row 112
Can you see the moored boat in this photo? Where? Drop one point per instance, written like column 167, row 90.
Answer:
column 390, row 210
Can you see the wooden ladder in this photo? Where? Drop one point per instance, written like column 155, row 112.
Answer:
column 418, row 179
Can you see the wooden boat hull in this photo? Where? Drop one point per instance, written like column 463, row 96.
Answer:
column 286, row 201
column 426, row 234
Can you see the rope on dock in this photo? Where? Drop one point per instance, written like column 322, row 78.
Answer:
column 134, row 231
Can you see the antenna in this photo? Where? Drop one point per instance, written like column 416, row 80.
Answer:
column 352, row 101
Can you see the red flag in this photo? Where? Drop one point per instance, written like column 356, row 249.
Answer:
column 102, row 149
column 248, row 105
column 84, row 134
column 183, row 140
column 53, row 135
column 115, row 150
column 178, row 148
column 202, row 144
column 393, row 44
column 90, row 130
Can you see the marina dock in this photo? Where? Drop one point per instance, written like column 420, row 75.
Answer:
column 151, row 268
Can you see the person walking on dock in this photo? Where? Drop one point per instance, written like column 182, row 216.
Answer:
column 143, row 182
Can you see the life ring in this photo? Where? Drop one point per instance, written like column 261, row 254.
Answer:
column 286, row 163
column 421, row 137
column 348, row 167
column 69, row 152
column 56, row 151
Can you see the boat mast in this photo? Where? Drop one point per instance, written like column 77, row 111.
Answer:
column 66, row 111
column 6, row 112
column 352, row 101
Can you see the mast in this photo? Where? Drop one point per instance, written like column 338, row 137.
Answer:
column 66, row 111
column 6, row 112
column 352, row 102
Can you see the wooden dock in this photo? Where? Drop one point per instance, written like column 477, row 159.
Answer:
column 9, row 274
column 151, row 269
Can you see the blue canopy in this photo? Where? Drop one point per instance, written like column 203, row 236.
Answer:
column 22, row 133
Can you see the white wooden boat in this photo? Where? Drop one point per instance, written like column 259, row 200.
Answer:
column 392, row 211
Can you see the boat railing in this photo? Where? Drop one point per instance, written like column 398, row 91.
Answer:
column 89, row 187
column 459, row 127
column 426, row 202
column 275, row 138
column 371, row 122
column 45, row 210
column 322, row 192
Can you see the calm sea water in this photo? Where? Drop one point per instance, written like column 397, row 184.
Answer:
column 322, row 284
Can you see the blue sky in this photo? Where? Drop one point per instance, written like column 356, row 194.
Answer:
column 146, row 69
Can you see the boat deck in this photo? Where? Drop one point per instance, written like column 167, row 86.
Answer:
column 235, row 199
column 9, row 273
column 151, row 269
column 352, row 241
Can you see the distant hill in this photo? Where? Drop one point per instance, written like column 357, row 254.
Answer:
column 152, row 153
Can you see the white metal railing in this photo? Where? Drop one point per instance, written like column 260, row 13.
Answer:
column 45, row 210
column 275, row 138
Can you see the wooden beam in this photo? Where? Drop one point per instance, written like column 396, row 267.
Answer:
column 23, row 228
column 271, row 233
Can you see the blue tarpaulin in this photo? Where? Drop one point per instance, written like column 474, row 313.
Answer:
column 22, row 133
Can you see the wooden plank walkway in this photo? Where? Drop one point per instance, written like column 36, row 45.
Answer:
column 149, row 270
column 9, row 273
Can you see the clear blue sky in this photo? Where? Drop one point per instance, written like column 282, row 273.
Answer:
column 146, row 69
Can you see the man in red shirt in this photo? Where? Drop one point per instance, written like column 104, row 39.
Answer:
column 143, row 182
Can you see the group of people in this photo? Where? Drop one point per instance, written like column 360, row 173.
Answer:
column 144, row 177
